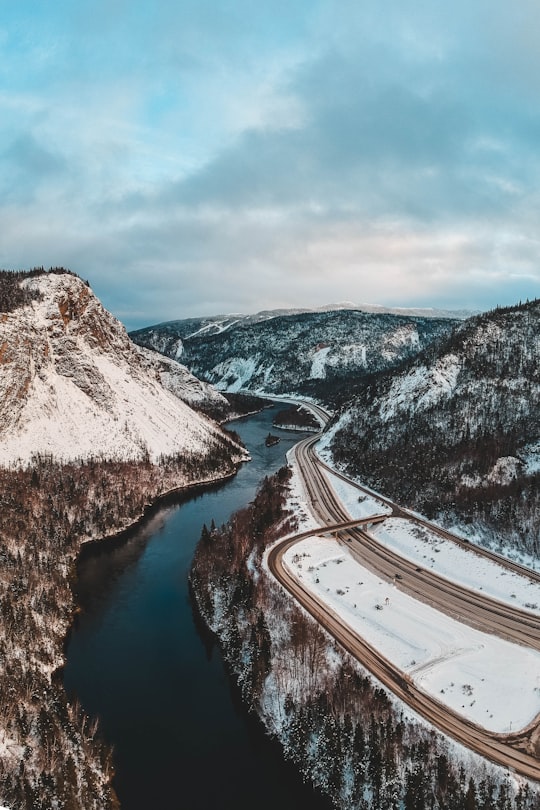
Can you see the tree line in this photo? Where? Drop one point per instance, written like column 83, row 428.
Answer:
column 13, row 296
column 346, row 734
column 51, row 754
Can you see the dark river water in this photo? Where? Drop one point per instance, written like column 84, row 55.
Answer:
column 139, row 659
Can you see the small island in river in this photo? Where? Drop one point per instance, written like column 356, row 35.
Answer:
column 271, row 440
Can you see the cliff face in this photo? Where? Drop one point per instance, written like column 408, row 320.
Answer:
column 73, row 385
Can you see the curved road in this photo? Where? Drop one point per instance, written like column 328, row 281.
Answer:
column 471, row 607
column 519, row 751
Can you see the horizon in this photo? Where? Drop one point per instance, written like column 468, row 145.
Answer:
column 337, row 307
column 187, row 158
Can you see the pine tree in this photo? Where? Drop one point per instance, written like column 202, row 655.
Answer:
column 470, row 796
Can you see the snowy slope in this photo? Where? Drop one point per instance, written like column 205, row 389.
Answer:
column 73, row 385
column 177, row 379
column 319, row 354
column 455, row 432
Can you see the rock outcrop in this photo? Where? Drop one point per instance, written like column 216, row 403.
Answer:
column 74, row 386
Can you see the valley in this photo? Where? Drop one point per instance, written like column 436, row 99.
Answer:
column 437, row 412
column 269, row 405
column 165, row 697
column 466, row 604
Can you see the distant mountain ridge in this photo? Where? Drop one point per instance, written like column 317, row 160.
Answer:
column 215, row 324
column 74, row 386
column 313, row 353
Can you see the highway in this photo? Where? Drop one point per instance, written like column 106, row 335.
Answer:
column 519, row 751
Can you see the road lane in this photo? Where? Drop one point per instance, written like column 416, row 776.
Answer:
column 519, row 751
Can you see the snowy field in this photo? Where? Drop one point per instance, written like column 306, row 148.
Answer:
column 429, row 550
column 357, row 504
column 492, row 682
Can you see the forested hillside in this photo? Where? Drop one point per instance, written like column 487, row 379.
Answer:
column 322, row 354
column 457, row 430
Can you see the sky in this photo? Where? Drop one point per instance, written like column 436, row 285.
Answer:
column 195, row 157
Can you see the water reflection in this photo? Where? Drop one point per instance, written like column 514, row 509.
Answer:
column 140, row 659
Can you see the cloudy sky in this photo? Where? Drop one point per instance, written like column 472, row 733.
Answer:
column 193, row 157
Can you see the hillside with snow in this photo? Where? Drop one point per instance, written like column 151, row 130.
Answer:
column 176, row 378
column 74, row 386
column 313, row 353
column 457, row 429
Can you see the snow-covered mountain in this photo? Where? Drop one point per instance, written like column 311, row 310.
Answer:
column 216, row 324
column 318, row 353
column 74, row 386
column 458, row 427
column 177, row 379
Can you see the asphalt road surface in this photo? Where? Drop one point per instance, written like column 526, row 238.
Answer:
column 518, row 751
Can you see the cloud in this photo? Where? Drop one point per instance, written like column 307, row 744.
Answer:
column 189, row 157
column 26, row 166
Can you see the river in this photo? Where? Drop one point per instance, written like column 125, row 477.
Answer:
column 138, row 659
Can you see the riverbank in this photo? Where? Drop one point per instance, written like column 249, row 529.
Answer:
column 164, row 698
column 51, row 754
column 346, row 734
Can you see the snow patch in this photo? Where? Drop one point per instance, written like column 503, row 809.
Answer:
column 358, row 504
column 531, row 458
column 234, row 374
column 505, row 470
column 451, row 561
column 421, row 388
column 318, row 370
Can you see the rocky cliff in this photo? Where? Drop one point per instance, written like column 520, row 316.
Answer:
column 74, row 386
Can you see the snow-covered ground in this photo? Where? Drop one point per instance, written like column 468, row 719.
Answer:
column 298, row 501
column 421, row 387
column 488, row 680
column 318, row 365
column 471, row 570
column 492, row 682
column 236, row 369
column 531, row 458
column 429, row 550
column 357, row 504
